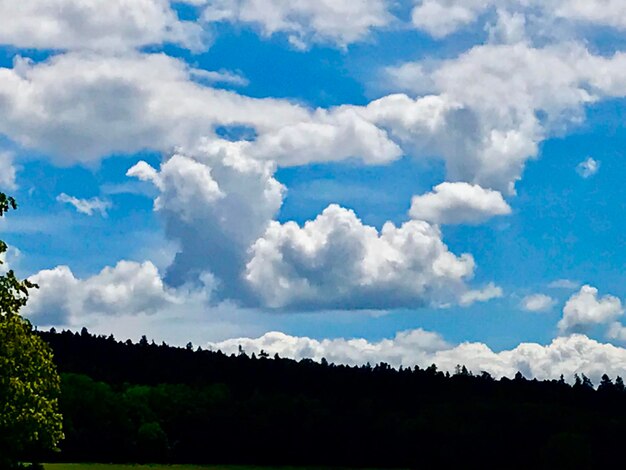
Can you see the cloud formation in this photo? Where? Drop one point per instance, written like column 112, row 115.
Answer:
column 128, row 288
column 565, row 355
column 440, row 18
column 216, row 202
column 538, row 303
column 339, row 22
column 517, row 96
column 458, row 203
column 83, row 107
column 219, row 199
column 585, row 309
column 335, row 261
column 96, row 24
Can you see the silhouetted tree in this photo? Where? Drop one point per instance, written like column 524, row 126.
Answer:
column 606, row 385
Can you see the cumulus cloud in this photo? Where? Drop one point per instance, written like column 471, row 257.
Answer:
column 585, row 309
column 86, row 206
column 219, row 204
column 332, row 135
column 440, row 18
column 335, row 261
column 219, row 199
column 509, row 28
column 588, row 168
column 81, row 107
column 216, row 201
column 518, row 95
column 457, row 203
column 124, row 24
column 538, row 303
column 8, row 173
column 565, row 355
column 616, row 331
column 407, row 348
column 340, row 22
column 128, row 288
column 96, row 24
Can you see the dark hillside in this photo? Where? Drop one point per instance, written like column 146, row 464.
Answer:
column 148, row 402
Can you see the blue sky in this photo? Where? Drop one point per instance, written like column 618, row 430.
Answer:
column 210, row 170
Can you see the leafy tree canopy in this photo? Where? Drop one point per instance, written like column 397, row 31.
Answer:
column 29, row 382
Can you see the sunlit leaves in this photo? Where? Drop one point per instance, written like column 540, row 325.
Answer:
column 29, row 382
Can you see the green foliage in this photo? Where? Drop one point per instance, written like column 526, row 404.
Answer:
column 96, row 466
column 29, row 382
column 13, row 292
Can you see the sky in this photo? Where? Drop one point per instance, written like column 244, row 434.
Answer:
column 408, row 181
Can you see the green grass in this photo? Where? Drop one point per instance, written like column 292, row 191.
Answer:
column 99, row 466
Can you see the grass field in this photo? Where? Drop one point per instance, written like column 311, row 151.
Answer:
column 98, row 466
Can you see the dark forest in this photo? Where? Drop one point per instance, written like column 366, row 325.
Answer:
column 143, row 402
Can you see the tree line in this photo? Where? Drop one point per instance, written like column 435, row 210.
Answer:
column 144, row 402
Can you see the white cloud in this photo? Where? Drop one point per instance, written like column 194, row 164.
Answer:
column 9, row 259
column 340, row 22
column 538, row 303
column 588, row 168
column 565, row 355
column 335, row 261
column 81, row 107
column 440, row 18
column 219, row 198
column 585, row 309
column 409, row 347
column 94, row 24
column 601, row 12
column 86, row 206
column 330, row 135
column 495, row 126
column 509, row 28
column 458, row 203
column 8, row 172
column 216, row 201
column 616, row 331
column 490, row 292
column 128, row 288
column 564, row 284
column 219, row 204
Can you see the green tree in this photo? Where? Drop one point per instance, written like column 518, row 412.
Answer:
column 29, row 382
